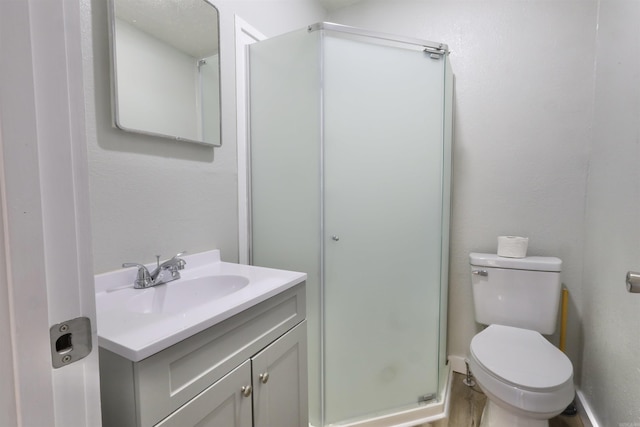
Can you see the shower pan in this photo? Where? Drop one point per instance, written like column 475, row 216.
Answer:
column 350, row 183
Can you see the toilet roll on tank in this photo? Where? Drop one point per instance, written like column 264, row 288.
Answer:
column 512, row 246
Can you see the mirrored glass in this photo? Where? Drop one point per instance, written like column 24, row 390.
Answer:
column 165, row 69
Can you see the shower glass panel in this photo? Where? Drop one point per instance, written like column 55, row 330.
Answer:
column 285, row 170
column 383, row 172
column 350, row 165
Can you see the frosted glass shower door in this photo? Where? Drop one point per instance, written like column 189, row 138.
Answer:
column 383, row 118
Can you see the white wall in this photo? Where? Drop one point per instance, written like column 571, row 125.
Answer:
column 611, row 316
column 524, row 89
column 154, row 196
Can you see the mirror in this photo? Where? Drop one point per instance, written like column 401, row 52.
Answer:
column 166, row 69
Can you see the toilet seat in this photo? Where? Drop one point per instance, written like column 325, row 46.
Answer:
column 521, row 358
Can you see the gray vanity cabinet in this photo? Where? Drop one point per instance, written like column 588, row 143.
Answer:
column 277, row 392
column 247, row 371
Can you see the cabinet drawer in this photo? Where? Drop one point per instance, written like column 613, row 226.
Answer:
column 169, row 379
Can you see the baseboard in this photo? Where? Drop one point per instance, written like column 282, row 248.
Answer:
column 585, row 411
column 458, row 364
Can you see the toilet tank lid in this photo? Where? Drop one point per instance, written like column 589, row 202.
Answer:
column 536, row 263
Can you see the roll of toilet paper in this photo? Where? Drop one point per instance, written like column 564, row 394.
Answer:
column 512, row 246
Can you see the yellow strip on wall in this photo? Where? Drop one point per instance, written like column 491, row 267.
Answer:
column 563, row 319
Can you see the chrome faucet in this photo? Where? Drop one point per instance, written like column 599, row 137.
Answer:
column 145, row 279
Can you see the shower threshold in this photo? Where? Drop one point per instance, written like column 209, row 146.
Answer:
column 422, row 415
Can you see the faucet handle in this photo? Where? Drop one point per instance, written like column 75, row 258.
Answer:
column 180, row 263
column 143, row 278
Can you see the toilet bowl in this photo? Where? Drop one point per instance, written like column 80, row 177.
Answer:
column 526, row 379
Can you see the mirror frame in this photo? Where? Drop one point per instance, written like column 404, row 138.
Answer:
column 115, row 102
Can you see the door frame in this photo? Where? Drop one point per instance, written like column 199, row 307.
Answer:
column 46, row 266
column 245, row 35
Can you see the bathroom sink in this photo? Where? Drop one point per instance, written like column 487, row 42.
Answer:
column 137, row 323
column 183, row 295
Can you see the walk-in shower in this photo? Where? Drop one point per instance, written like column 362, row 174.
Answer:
column 350, row 183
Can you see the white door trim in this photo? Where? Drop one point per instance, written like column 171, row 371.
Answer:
column 245, row 35
column 48, row 274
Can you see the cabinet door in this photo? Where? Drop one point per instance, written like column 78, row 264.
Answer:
column 222, row 404
column 280, row 381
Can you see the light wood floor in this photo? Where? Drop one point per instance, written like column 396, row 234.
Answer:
column 467, row 404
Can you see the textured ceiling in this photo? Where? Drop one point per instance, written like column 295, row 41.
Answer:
column 337, row 4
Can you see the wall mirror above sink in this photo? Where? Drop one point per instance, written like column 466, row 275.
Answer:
column 165, row 69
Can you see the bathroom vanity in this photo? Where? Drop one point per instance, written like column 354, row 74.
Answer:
column 242, row 361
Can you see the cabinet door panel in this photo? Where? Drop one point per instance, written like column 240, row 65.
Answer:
column 222, row 404
column 281, row 399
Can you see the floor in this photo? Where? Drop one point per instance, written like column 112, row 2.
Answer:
column 467, row 404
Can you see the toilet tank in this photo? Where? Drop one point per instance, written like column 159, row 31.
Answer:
column 519, row 292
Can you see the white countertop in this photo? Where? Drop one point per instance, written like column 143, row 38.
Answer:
column 136, row 335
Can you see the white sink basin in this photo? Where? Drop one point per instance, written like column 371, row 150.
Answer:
column 137, row 323
column 183, row 295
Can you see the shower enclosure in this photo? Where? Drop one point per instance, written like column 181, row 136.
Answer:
column 350, row 183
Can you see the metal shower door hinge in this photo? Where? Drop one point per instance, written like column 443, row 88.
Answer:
column 434, row 53
column 70, row 341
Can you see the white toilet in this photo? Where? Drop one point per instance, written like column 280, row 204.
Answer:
column 527, row 380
